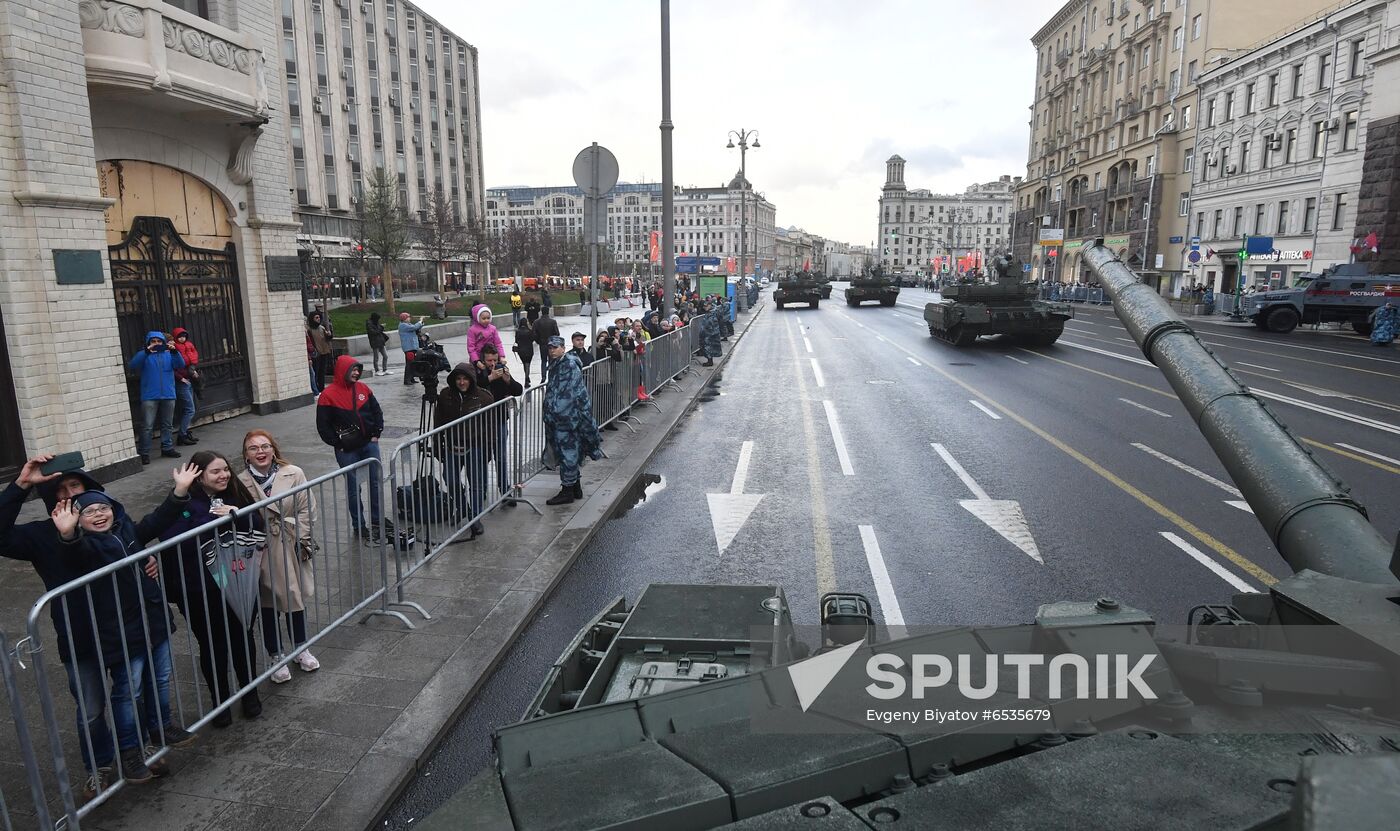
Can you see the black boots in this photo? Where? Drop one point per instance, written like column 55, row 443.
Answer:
column 566, row 494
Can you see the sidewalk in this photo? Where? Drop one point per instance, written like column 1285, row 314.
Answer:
column 333, row 748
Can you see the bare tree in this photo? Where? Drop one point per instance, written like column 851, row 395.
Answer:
column 359, row 251
column 443, row 235
column 386, row 228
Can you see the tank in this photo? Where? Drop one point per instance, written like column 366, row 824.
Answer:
column 1279, row 710
column 872, row 286
column 801, row 287
column 1005, row 306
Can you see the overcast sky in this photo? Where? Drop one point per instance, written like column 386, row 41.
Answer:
column 834, row 87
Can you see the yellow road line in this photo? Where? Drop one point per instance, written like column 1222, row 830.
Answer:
column 821, row 531
column 1243, row 562
column 1162, row 393
column 1353, row 456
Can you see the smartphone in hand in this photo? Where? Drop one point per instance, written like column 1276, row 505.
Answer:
column 62, row 463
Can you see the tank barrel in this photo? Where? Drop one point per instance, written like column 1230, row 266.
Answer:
column 1307, row 512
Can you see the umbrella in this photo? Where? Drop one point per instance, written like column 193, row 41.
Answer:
column 234, row 560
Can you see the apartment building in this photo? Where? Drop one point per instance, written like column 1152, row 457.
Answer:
column 919, row 228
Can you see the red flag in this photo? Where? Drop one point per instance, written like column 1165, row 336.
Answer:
column 731, row 265
column 655, row 247
column 1373, row 243
column 807, row 265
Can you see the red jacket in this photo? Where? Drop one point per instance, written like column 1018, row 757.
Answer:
column 187, row 350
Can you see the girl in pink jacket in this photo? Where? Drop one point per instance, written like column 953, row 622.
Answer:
column 481, row 333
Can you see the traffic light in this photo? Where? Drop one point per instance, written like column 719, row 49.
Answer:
column 1244, row 246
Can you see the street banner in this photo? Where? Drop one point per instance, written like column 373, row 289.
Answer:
column 655, row 247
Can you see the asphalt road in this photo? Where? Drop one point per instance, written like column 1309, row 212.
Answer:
column 955, row 486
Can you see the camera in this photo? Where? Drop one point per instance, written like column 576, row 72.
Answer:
column 428, row 363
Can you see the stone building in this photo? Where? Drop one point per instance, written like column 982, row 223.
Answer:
column 1112, row 133
column 1378, row 198
column 918, row 227
column 1279, row 148
column 145, row 169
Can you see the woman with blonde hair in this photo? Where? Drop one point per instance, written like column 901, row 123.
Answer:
column 288, row 578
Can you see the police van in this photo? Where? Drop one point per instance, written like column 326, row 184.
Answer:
column 1341, row 294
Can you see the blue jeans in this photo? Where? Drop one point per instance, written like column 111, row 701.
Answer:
column 345, row 458
column 473, row 464
column 164, row 410
column 132, row 685
column 502, row 458
column 184, row 394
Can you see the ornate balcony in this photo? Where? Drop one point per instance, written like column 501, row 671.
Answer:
column 193, row 65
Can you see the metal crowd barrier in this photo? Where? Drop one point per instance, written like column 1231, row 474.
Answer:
column 13, row 809
column 311, row 553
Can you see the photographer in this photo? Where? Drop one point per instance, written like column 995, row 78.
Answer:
column 606, row 353
column 494, row 376
column 155, row 366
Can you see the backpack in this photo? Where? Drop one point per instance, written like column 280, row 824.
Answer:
column 423, row 501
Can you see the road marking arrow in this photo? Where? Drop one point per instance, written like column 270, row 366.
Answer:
column 1003, row 516
column 729, row 511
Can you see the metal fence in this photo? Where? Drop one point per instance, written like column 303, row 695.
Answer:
column 254, row 589
column 19, row 809
column 1073, row 294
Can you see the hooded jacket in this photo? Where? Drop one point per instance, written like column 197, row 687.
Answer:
column 58, row 563
column 156, row 369
column 377, row 336
column 187, row 350
column 481, row 333
column 453, row 404
column 346, row 404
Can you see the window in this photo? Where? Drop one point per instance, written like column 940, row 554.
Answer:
column 1146, row 56
column 1184, row 204
column 1186, row 117
column 1296, row 81
column 1290, row 142
column 1349, row 130
column 1244, row 157
column 1224, row 158
column 1358, row 47
column 1237, row 229
column 1324, row 70
column 1319, row 147
column 1188, row 159
column 1282, row 227
column 1210, row 113
column 1248, row 98
column 1259, row 218
column 1176, row 39
column 1229, row 106
column 1120, row 72
column 1173, row 82
column 1215, row 224
column 1273, row 90
column 1200, row 222
column 1309, row 214
column 1191, row 72
column 1195, row 27
column 1339, row 210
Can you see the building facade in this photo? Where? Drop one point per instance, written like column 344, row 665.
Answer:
column 1280, row 146
column 376, row 84
column 146, row 165
column 1112, row 129
column 707, row 220
column 919, row 229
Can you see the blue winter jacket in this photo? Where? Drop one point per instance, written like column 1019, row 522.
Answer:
column 408, row 335
column 157, row 370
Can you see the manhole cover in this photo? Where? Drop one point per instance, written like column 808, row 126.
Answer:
column 880, row 381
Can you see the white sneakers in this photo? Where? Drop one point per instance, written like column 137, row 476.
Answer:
column 303, row 659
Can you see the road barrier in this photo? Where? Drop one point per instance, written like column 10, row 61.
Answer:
column 253, row 589
column 16, row 808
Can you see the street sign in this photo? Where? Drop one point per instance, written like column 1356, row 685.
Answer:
column 1160, row 260
column 1025, row 268
column 687, row 265
column 1175, row 240
column 595, row 170
column 1195, row 241
column 595, row 221
column 1259, row 245
column 1194, row 257
column 1052, row 236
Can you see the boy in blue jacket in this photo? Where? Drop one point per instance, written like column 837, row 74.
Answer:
column 155, row 365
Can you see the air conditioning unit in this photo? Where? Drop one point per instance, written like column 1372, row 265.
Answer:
column 1212, row 160
column 354, row 201
column 394, row 101
column 345, row 106
column 1231, row 170
column 1275, row 141
column 1334, row 125
column 416, row 139
column 316, row 104
column 350, row 157
column 344, row 73
column 366, row 9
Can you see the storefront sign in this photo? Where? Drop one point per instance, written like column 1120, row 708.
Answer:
column 1116, row 242
column 1281, row 256
column 1073, row 246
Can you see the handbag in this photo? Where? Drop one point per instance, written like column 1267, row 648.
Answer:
column 307, row 548
column 351, row 437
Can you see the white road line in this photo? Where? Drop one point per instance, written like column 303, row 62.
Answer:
column 817, row 371
column 807, row 343
column 1009, row 357
column 1085, row 322
column 884, row 589
column 1126, row 340
column 1133, row 403
column 958, row 470
column 841, row 455
column 1262, row 393
column 798, row 319
column 881, row 338
column 1208, row 563
column 912, row 361
column 1257, row 341
column 1199, row 474
column 1370, row 453
column 857, row 322
column 1257, row 366
column 741, row 471
column 979, row 405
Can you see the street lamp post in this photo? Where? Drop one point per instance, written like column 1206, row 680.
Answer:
column 743, row 136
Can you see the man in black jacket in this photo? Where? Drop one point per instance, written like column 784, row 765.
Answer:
column 545, row 328
column 80, row 647
column 580, row 351
column 494, row 376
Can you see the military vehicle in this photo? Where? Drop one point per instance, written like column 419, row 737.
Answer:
column 801, row 287
column 873, row 285
column 651, row 720
column 1006, row 306
column 823, row 284
column 1341, row 294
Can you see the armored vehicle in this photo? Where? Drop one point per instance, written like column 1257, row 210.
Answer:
column 872, row 286
column 1004, row 307
column 1341, row 294
column 799, row 288
column 823, row 284
column 1277, row 710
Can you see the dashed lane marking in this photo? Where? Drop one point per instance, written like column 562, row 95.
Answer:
column 1199, row 474
column 884, row 589
column 1008, row 357
column 1201, row 558
column 911, row 360
column 807, row 343
column 817, row 373
column 838, row 439
column 1257, row 366
column 824, row 560
column 1373, row 454
column 1133, row 403
column 983, row 407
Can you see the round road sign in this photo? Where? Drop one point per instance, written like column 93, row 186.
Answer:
column 1194, row 257
column 595, row 171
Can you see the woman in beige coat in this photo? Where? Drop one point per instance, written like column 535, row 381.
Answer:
column 288, row 578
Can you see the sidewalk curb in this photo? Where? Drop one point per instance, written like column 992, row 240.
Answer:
column 389, row 773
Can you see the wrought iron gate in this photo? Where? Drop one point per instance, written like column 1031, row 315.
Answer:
column 11, row 431
column 161, row 283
